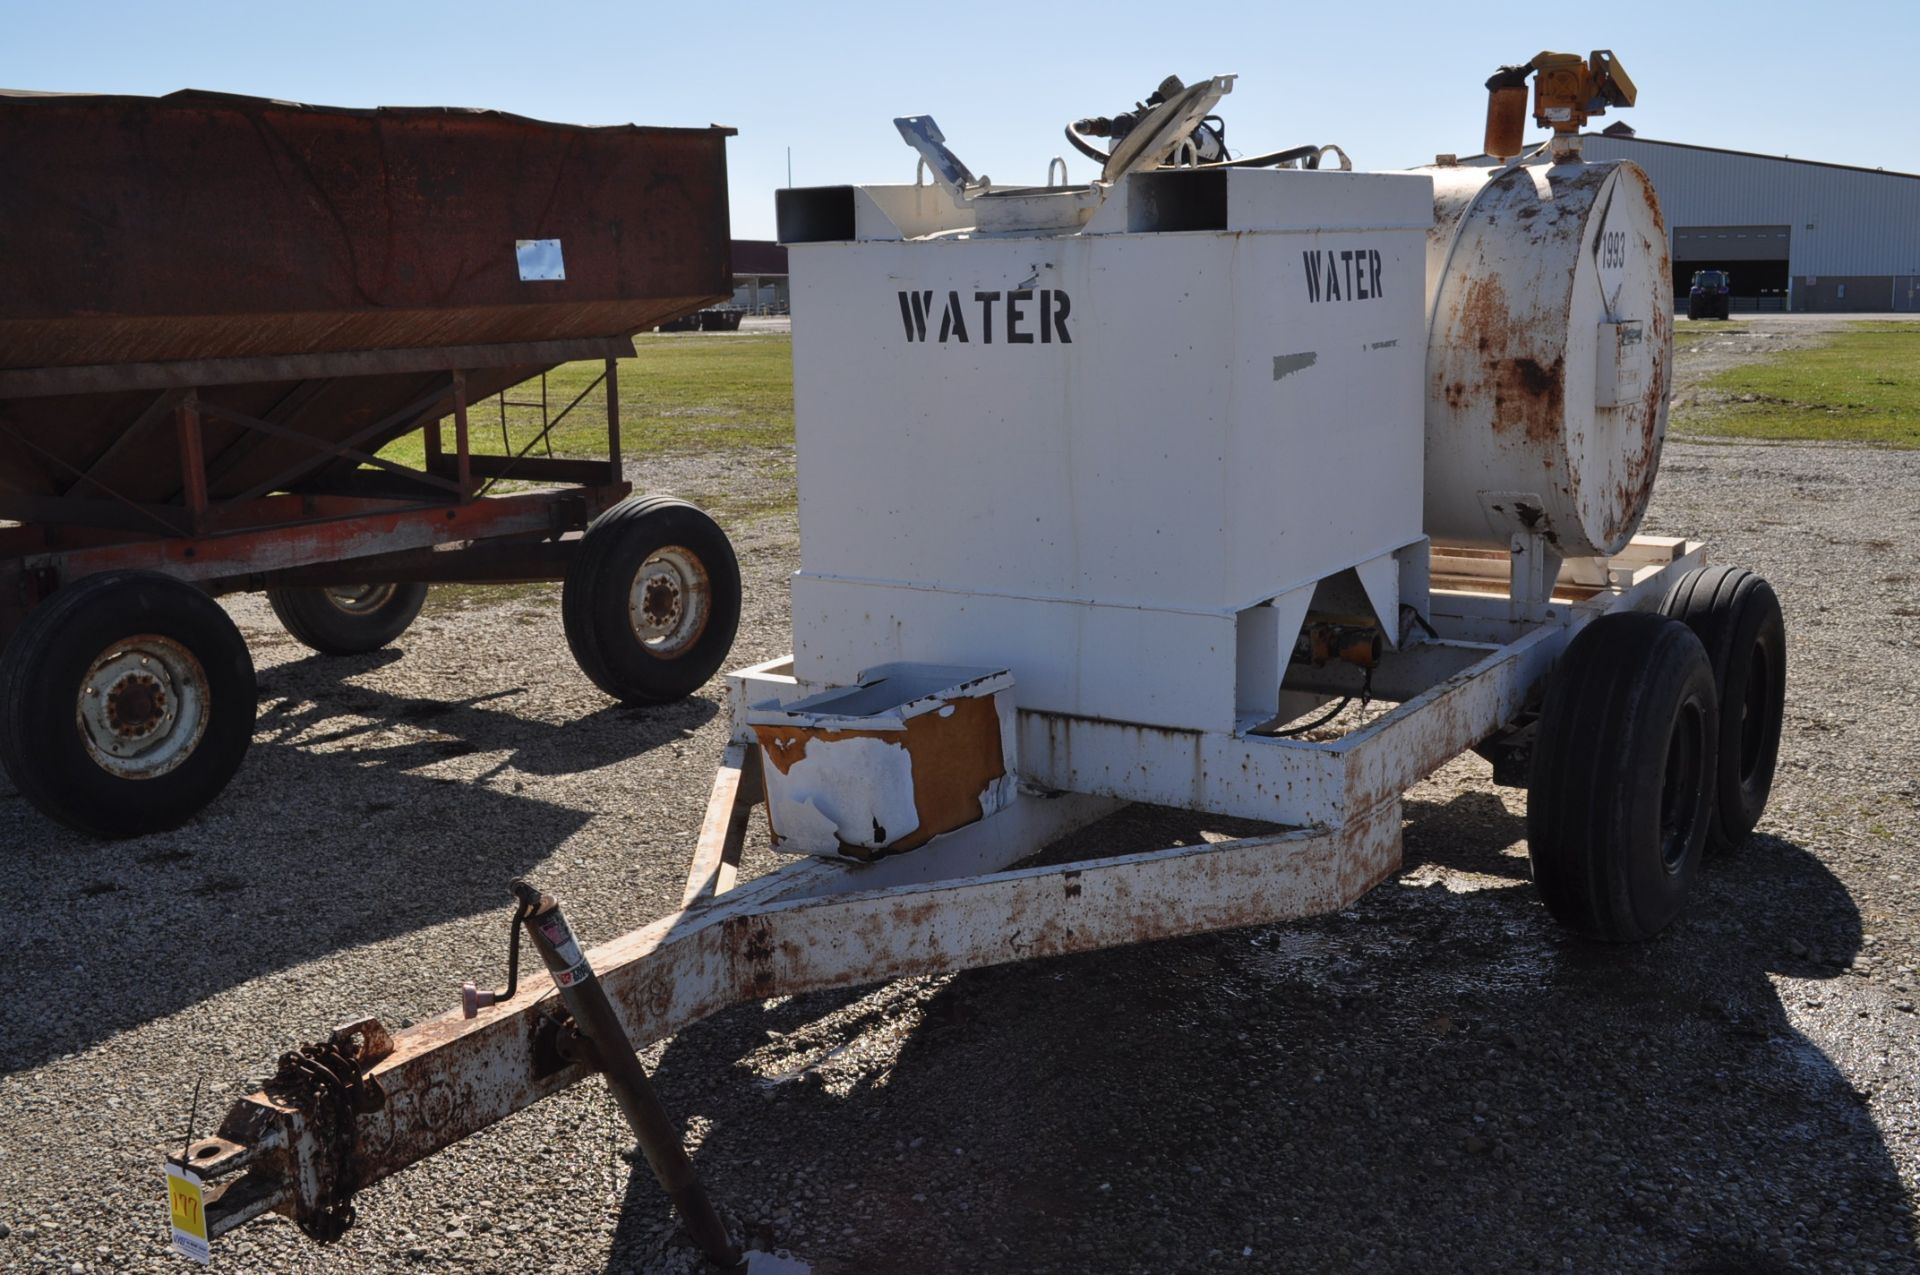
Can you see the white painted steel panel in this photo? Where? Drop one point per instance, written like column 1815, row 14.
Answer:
column 1144, row 664
column 1206, row 436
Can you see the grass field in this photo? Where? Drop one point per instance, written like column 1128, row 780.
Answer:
column 708, row 418
column 682, row 393
column 1861, row 384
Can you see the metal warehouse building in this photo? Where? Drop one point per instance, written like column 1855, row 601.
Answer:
column 1792, row 233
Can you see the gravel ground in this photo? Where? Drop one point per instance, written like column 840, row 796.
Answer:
column 1435, row 1079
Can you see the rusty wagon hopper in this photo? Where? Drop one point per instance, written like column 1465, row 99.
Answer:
column 216, row 311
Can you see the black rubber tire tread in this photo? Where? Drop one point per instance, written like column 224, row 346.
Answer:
column 1736, row 616
column 306, row 614
column 1693, row 309
column 1599, row 765
column 593, row 599
column 40, row 674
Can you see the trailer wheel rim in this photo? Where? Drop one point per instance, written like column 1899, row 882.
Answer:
column 359, row 599
column 142, row 707
column 1753, row 712
column 670, row 601
column 1680, row 789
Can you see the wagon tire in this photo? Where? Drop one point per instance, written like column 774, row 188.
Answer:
column 126, row 703
column 1737, row 618
column 1621, row 795
column 651, row 601
column 348, row 620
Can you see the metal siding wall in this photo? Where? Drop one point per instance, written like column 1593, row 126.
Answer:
column 1863, row 223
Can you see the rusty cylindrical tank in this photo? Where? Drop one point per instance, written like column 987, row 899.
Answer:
column 1549, row 354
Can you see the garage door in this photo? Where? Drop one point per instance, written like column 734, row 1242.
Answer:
column 1754, row 257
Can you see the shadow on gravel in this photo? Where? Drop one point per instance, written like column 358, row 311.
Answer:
column 299, row 701
column 308, row 852
column 1431, row 1080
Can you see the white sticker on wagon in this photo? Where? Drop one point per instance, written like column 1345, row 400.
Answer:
column 539, row 259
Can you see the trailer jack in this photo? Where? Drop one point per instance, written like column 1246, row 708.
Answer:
column 612, row 1053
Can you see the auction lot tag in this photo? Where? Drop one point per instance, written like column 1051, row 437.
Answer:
column 187, row 1202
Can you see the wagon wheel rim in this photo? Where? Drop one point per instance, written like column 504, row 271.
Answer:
column 670, row 601
column 142, row 707
column 359, row 599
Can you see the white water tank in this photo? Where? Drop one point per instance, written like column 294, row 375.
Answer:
column 1112, row 440
column 1549, row 354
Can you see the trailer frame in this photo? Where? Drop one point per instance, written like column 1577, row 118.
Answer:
column 387, row 522
column 960, row 901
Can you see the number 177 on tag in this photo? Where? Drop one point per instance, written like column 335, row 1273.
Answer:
column 186, row 1201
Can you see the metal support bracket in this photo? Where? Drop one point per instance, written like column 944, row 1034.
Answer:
column 739, row 786
column 1535, row 570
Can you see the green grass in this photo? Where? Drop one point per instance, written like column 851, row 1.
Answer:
column 681, row 393
column 1861, row 384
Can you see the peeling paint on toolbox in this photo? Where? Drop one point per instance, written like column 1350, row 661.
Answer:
column 910, row 752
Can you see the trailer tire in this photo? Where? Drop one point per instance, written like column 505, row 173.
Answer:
column 652, row 600
column 347, row 620
column 1622, row 792
column 1737, row 618
column 168, row 719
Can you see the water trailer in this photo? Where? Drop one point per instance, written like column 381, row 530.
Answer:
column 1141, row 491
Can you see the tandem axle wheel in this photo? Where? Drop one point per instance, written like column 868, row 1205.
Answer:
column 1657, row 741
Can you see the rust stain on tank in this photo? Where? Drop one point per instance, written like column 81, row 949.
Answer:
column 1483, row 306
column 1644, row 188
column 1483, row 309
column 1530, row 395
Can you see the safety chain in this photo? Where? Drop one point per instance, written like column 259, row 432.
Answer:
column 324, row 1081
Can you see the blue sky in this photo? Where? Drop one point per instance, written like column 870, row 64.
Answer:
column 1392, row 82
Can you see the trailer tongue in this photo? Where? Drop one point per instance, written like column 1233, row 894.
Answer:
column 1133, row 491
